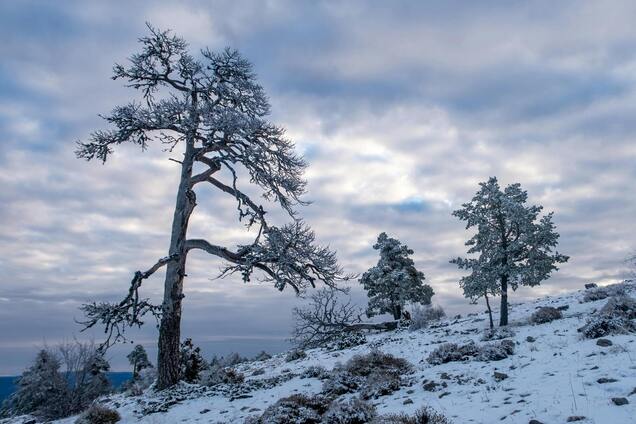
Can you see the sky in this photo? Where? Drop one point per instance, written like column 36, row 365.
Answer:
column 400, row 108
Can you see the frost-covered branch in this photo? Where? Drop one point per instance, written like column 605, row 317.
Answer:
column 287, row 256
column 116, row 317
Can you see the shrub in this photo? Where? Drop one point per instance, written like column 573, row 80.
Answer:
column 191, row 361
column 295, row 355
column 600, row 293
column 221, row 375
column 98, row 414
column 297, row 409
column 422, row 316
column 348, row 340
column 604, row 325
column 422, row 416
column 380, row 383
column 144, row 379
column 375, row 374
column 452, row 352
column 545, row 314
column 353, row 411
column 620, row 306
column 613, row 318
column 315, row 371
column 262, row 356
column 499, row 333
column 374, row 361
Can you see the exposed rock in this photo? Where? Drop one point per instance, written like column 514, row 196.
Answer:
column 620, row 401
column 573, row 418
column 605, row 380
column 590, row 286
column 530, row 339
column 604, row 342
column 407, row 402
column 499, row 376
column 535, row 422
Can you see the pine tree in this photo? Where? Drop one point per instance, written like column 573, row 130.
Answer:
column 192, row 363
column 41, row 390
column 210, row 107
column 394, row 281
column 515, row 245
column 138, row 358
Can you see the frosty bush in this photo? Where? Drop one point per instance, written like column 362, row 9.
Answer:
column 352, row 411
column 98, row 414
column 315, row 371
column 601, row 293
column 613, row 318
column 422, row 316
column 620, row 306
column 380, row 383
column 452, row 352
column 221, row 375
column 375, row 374
column 297, row 409
column 348, row 340
column 295, row 355
column 545, row 314
column 262, row 356
column 499, row 333
column 145, row 378
column 422, row 416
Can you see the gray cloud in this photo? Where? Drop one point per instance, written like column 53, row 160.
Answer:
column 401, row 110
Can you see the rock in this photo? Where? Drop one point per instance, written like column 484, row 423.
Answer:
column 633, row 392
column 499, row 376
column 590, row 286
column 563, row 307
column 604, row 380
column 604, row 342
column 573, row 418
column 620, row 401
column 535, row 422
column 407, row 402
column 430, row 385
column 204, row 411
column 530, row 339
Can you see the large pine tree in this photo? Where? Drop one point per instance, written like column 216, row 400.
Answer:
column 514, row 245
column 210, row 106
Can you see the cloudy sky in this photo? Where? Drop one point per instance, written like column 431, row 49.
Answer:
column 401, row 108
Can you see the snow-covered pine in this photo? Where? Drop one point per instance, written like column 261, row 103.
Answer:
column 212, row 106
column 138, row 358
column 515, row 245
column 394, row 281
column 192, row 362
column 41, row 390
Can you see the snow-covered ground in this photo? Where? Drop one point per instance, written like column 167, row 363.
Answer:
column 554, row 377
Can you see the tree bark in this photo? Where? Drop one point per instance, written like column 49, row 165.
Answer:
column 170, row 328
column 503, row 313
column 397, row 312
column 492, row 325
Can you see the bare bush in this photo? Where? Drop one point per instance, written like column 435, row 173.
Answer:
column 499, row 333
column 422, row 316
column 614, row 318
column 326, row 320
column 545, row 314
column 600, row 293
column 221, row 375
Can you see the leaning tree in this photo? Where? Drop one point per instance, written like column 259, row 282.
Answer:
column 212, row 108
column 514, row 245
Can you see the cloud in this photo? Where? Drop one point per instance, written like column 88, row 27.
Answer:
column 400, row 109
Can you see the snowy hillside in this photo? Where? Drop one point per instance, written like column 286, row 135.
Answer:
column 553, row 376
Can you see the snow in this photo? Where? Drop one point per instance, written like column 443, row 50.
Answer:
column 549, row 380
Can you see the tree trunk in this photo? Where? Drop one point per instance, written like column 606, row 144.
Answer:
column 170, row 328
column 503, row 313
column 492, row 325
column 397, row 312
